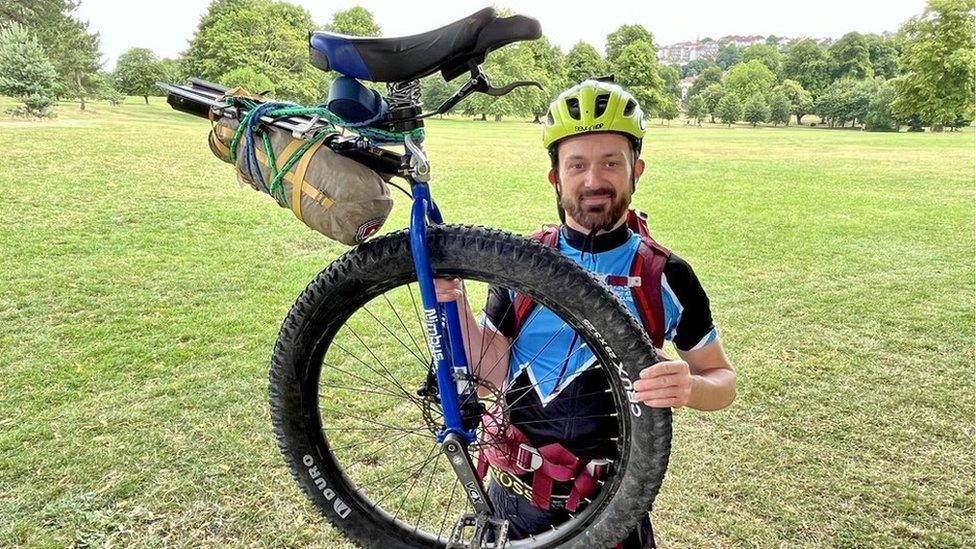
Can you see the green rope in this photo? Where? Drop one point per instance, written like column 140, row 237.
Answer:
column 276, row 189
column 278, row 192
column 276, row 185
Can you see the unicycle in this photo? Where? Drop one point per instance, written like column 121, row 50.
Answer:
column 378, row 398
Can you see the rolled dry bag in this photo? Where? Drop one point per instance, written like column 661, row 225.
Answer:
column 332, row 194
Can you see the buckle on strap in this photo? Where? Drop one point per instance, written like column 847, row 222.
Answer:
column 597, row 467
column 528, row 458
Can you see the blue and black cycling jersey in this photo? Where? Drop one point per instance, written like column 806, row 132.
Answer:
column 560, row 396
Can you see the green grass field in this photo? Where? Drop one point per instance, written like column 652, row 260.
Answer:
column 142, row 290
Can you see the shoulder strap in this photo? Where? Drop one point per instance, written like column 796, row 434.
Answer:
column 649, row 262
column 547, row 236
column 637, row 222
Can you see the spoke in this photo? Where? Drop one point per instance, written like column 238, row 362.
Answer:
column 365, row 390
column 562, row 420
column 423, row 463
column 547, row 377
column 537, row 355
column 564, row 399
column 528, row 321
column 409, row 350
column 447, row 508
column 391, row 377
column 416, row 477
column 389, row 443
column 373, row 422
column 405, row 329
column 423, row 504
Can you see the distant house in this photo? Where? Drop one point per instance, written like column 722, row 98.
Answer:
column 686, row 52
column 743, row 41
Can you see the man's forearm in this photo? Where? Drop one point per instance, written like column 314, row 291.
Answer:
column 487, row 350
column 712, row 389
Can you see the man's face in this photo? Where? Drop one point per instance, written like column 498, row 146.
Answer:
column 594, row 179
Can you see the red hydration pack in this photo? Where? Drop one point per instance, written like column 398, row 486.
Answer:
column 644, row 280
column 514, row 453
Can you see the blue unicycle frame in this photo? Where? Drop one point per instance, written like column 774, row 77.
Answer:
column 446, row 349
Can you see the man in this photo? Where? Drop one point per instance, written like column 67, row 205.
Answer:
column 593, row 132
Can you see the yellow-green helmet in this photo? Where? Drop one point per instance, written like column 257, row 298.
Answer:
column 593, row 106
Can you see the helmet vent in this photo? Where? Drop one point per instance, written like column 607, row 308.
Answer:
column 629, row 109
column 572, row 104
column 549, row 119
column 601, row 105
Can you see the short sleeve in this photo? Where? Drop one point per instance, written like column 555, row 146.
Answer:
column 693, row 327
column 500, row 311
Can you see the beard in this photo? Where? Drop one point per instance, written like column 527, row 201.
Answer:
column 602, row 216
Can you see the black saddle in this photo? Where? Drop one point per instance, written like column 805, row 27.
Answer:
column 451, row 49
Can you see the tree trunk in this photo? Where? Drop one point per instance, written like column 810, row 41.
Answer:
column 798, row 117
column 484, row 117
column 713, row 117
column 81, row 90
column 498, row 118
column 146, row 97
column 537, row 121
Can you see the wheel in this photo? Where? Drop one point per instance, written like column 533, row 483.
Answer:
column 358, row 434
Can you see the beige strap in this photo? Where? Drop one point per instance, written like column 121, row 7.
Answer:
column 298, row 183
column 216, row 142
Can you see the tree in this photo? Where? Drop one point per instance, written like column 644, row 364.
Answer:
column 636, row 69
column 550, row 68
column 756, row 110
column 25, row 72
column 748, row 79
column 845, row 100
column 434, row 91
column 694, row 68
column 355, row 21
column 728, row 55
column 249, row 79
column 729, row 109
column 879, row 116
column 808, row 63
column 65, row 40
column 712, row 96
column 107, row 89
column 137, row 71
column 711, row 75
column 671, row 79
column 624, row 36
column 270, row 37
column 780, row 109
column 801, row 102
column 696, row 109
column 582, row 62
column 173, row 71
column 884, row 56
column 507, row 64
column 669, row 109
column 938, row 64
column 850, row 57
column 768, row 54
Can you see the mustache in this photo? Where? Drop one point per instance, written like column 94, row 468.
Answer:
column 597, row 192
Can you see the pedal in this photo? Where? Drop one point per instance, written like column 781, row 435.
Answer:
column 489, row 533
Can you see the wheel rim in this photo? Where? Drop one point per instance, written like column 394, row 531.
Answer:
column 373, row 422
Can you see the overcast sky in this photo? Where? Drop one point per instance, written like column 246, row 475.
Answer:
column 166, row 27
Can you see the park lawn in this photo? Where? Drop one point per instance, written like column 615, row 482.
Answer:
column 142, row 292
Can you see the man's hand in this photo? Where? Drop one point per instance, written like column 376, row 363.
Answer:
column 666, row 384
column 448, row 289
